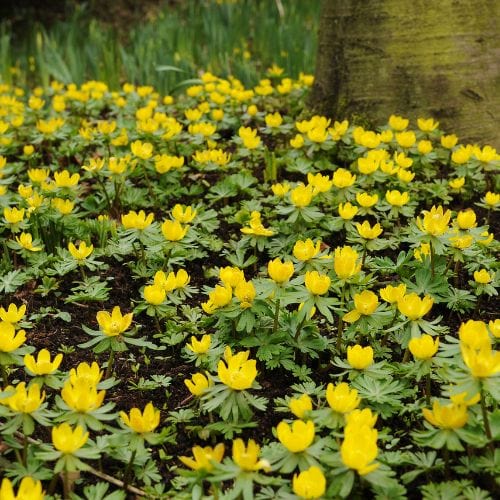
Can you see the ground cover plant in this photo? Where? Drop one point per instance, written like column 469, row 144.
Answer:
column 215, row 296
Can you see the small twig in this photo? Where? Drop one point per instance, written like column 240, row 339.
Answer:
column 279, row 6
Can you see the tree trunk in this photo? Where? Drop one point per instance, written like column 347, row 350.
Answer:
column 416, row 58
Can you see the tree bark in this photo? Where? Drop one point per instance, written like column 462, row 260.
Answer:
column 416, row 58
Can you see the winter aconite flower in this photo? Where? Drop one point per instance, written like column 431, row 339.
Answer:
column 365, row 303
column 359, row 448
column 341, row 398
column 24, row 399
column 247, row 457
column 306, row 250
column 396, row 198
column 466, row 219
column 296, row 437
column 345, row 262
column 115, row 323
column 310, row 483
column 173, row 230
column 255, row 226
column 82, row 396
column 413, row 307
column 154, row 294
column 198, row 384
column 200, row 346
column 82, row 252
column 367, row 232
column 237, row 372
column 245, row 292
column 280, row 272
column 359, row 357
column 137, row 220
column 423, row 347
column 29, row 489
column 9, row 339
column 68, row 440
column 144, row 422
column 300, row 406
column 42, row 365
column 392, row 294
column 203, row 458
column 302, row 195
column 347, row 211
column 316, row 283
column 25, row 240
column 451, row 416
column 482, row 277
column 483, row 362
column 435, row 221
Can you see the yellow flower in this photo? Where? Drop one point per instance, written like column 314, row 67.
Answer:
column 280, row 272
column 200, row 346
column 463, row 398
column 198, row 384
column 424, row 147
column 183, row 214
column 359, row 357
column 137, row 220
column 68, row 440
column 81, row 395
column 273, row 120
column 342, row 398
column 297, row 142
column 249, row 137
column 397, row 199
column 413, row 307
column 256, row 227
column 301, row 405
column 427, row 124
column 451, row 416
column 245, row 293
column 491, row 199
column 310, row 483
column 423, row 347
column 164, row 163
column 359, row 418
column 24, row 400
column 482, row 276
column 42, row 365
column 398, row 123
column 449, row 141
column 231, row 276
column 173, row 231
column 402, row 160
column 457, row 183
column 367, row 232
column 338, row 130
column 474, row 334
column 494, row 326
column 26, row 241
column 483, row 362
column 405, row 175
column 347, row 211
column 306, row 250
column 64, row 179
column 346, row 263
column 365, row 303
column 461, row 241
column 462, row 154
column 435, row 222
column 9, row 339
column 29, row 489
column 342, row 178
column 144, row 422
column 406, row 139
column 316, row 283
column 13, row 314
column 64, row 207
column 82, row 252
column 247, row 457
column 204, row 457
column 13, row 215
column 92, row 374
column 392, row 294
column 485, row 155
column 115, row 323
column 239, row 373
column 154, row 294
column 297, row 437
column 366, row 200
column 144, row 151
column 320, row 183
column 280, row 190
column 301, row 196
column 359, row 449
column 466, row 219
column 220, row 296
column 368, row 165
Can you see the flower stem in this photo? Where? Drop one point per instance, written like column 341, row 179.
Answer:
column 340, row 324
column 126, row 474
column 5, row 380
column 484, row 410
column 428, row 389
column 276, row 316
column 109, row 367
column 433, row 258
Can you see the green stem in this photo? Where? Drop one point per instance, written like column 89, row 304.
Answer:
column 484, row 410
column 386, row 335
column 433, row 258
column 340, row 324
column 299, row 329
column 276, row 316
column 66, row 485
column 126, row 475
column 406, row 356
column 106, row 195
column 446, row 456
column 5, row 379
column 428, row 389
column 109, row 367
